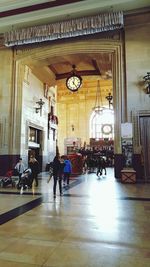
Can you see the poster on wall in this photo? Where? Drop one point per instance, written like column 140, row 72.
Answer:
column 126, row 130
column 127, row 143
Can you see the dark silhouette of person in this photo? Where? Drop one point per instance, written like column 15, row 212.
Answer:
column 58, row 167
column 101, row 165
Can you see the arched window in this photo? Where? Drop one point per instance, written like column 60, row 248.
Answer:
column 102, row 124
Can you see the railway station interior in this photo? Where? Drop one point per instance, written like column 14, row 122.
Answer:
column 75, row 82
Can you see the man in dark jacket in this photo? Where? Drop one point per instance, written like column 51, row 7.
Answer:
column 101, row 165
column 58, row 167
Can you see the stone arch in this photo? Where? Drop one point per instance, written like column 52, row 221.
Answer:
column 88, row 45
column 95, row 45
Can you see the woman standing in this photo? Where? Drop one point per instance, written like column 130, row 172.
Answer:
column 34, row 166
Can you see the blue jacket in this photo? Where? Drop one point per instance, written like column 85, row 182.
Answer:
column 68, row 166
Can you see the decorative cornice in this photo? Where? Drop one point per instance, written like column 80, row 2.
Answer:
column 65, row 29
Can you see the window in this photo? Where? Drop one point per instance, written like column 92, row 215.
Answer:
column 102, row 124
column 34, row 135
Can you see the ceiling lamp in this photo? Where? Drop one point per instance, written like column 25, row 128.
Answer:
column 74, row 81
column 98, row 108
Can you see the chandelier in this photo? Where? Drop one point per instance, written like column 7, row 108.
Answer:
column 98, row 107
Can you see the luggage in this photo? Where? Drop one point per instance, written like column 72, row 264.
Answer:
column 6, row 181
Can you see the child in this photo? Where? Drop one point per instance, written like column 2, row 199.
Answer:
column 50, row 172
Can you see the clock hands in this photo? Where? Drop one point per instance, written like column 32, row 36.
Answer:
column 73, row 83
column 74, row 80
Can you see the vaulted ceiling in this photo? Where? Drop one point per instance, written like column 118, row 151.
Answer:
column 58, row 68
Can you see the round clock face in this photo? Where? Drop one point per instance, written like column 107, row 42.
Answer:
column 73, row 83
column 107, row 129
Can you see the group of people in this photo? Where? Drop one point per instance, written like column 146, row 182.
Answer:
column 61, row 169
column 33, row 165
column 94, row 152
column 98, row 164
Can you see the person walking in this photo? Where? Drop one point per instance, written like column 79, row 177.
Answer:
column 84, row 163
column 67, row 171
column 20, row 167
column 58, row 167
column 34, row 166
column 61, row 174
column 101, row 166
column 50, row 172
column 103, row 163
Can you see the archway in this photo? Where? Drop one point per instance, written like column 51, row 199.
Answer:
column 93, row 44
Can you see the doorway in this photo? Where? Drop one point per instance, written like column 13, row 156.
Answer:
column 35, row 145
column 144, row 122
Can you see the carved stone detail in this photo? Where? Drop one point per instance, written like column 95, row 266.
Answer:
column 3, row 132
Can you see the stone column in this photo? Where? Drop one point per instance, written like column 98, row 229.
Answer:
column 10, row 108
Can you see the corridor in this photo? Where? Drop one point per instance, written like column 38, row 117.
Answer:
column 96, row 223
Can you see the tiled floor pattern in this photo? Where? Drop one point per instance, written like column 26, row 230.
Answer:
column 97, row 223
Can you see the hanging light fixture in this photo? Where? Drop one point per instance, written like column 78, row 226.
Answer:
column 98, row 108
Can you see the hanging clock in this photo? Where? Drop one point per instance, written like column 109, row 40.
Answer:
column 74, row 82
column 106, row 128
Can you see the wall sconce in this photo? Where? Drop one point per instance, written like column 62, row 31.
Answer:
column 40, row 104
column 147, row 81
column 72, row 127
column 109, row 97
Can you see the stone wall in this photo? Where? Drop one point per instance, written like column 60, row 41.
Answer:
column 137, row 48
column 33, row 91
column 6, row 81
column 20, row 89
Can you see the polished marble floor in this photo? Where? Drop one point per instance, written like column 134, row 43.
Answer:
column 97, row 223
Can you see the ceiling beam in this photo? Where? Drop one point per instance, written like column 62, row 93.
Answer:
column 80, row 73
column 94, row 72
column 36, row 7
column 95, row 65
